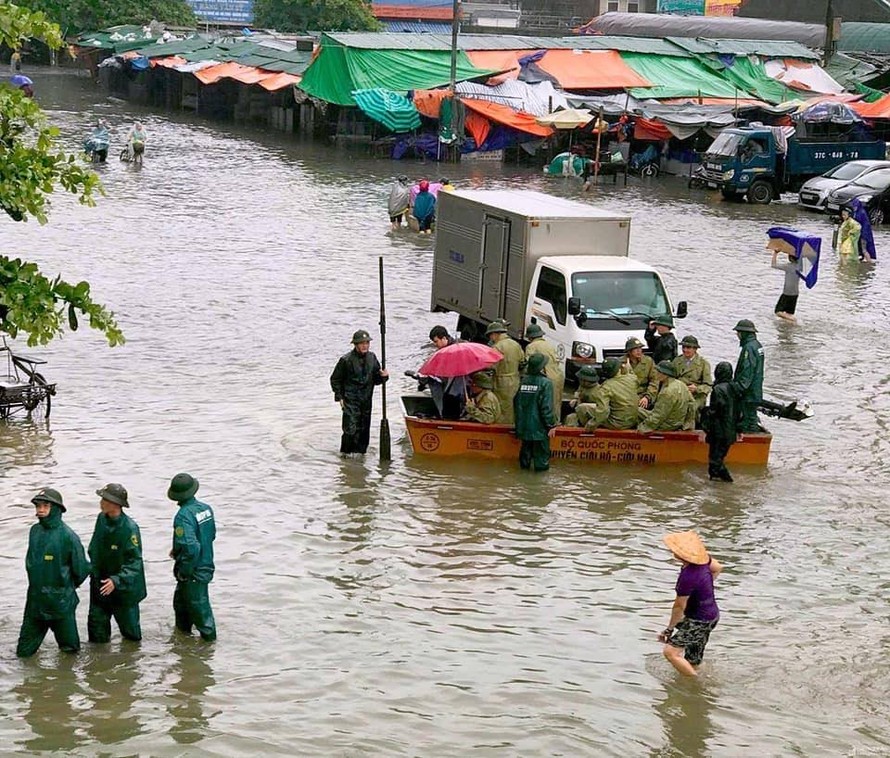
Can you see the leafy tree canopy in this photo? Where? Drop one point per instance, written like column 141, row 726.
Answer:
column 320, row 15
column 30, row 169
column 75, row 16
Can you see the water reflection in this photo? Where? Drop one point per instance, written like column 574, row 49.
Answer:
column 685, row 714
column 48, row 694
column 26, row 442
column 192, row 676
column 111, row 680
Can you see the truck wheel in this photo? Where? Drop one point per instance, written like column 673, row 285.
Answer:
column 876, row 216
column 760, row 193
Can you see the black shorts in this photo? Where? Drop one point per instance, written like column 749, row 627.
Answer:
column 692, row 636
column 398, row 218
column 787, row 304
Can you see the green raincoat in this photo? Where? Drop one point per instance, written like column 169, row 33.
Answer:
column 194, row 531
column 506, row 376
column 534, row 419
column 674, row 409
column 553, row 370
column 748, row 381
column 622, row 404
column 697, row 372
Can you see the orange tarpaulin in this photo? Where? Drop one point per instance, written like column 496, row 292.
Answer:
column 649, row 129
column 477, row 127
column 243, row 74
column 279, row 81
column 591, row 69
column 498, row 60
column 877, row 109
column 173, row 60
column 429, row 101
column 501, row 114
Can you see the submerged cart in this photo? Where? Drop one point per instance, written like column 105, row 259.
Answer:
column 23, row 389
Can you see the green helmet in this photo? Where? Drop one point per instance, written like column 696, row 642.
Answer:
column 182, row 487
column 114, row 493
column 610, row 368
column 536, row 363
column 533, row 331
column 483, row 380
column 746, row 326
column 689, row 341
column 588, row 374
column 633, row 343
column 667, row 320
column 496, row 327
column 49, row 495
column 667, row 368
column 360, row 336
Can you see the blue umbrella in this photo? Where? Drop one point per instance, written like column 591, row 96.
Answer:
column 20, row 80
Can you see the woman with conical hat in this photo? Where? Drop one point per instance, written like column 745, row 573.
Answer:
column 695, row 613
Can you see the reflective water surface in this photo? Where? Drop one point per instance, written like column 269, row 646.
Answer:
column 428, row 607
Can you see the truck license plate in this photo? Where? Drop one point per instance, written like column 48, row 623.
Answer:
column 712, row 185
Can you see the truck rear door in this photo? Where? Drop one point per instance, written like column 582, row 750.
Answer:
column 494, row 263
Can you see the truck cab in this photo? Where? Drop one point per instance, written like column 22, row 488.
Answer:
column 742, row 161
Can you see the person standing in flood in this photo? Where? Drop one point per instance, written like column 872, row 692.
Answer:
column 506, row 370
column 787, row 303
column 535, row 421
column 399, row 202
column 194, row 531
column 720, row 425
column 748, row 378
column 694, row 613
column 57, row 565
column 118, row 575
column 353, row 381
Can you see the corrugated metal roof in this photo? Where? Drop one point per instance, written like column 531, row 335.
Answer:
column 623, row 44
column 764, row 48
column 417, row 27
column 861, row 37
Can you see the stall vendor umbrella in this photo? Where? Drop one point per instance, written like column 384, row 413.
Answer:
column 460, row 359
column 569, row 118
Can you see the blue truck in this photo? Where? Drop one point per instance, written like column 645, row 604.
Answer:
column 756, row 163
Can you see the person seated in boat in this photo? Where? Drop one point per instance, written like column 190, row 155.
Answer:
column 694, row 371
column 643, row 368
column 449, row 393
column 588, row 403
column 445, row 185
column 483, row 405
column 621, row 405
column 674, row 407
column 424, row 209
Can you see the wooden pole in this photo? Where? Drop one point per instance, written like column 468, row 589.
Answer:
column 455, row 26
column 385, row 440
column 599, row 139
column 829, row 33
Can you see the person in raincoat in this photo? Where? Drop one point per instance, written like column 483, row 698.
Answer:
column 621, row 406
column 747, row 380
column 674, row 407
column 867, row 250
column 661, row 340
column 506, row 370
column 848, row 235
column 353, row 381
column 535, row 421
column 537, row 344
column 589, row 403
column 96, row 145
column 57, row 565
column 424, row 209
column 483, row 405
column 720, row 422
column 643, row 368
column 399, row 202
column 136, row 140
column 693, row 370
column 194, row 531
column 117, row 585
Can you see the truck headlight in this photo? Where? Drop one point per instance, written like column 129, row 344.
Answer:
column 727, row 175
column 583, row 350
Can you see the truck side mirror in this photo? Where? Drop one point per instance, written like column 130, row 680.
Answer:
column 574, row 306
column 682, row 309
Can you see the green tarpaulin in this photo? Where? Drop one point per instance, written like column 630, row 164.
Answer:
column 396, row 112
column 338, row 71
column 677, row 77
column 750, row 76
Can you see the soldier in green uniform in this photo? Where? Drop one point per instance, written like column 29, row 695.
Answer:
column 194, row 531
column 643, row 368
column 535, row 420
column 506, row 370
column 589, row 402
column 539, row 345
column 57, row 565
column 694, row 371
column 621, row 402
column 483, row 406
column 660, row 339
column 748, row 378
column 117, row 585
column 674, row 407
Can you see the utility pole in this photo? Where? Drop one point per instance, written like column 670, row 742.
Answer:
column 829, row 33
column 455, row 26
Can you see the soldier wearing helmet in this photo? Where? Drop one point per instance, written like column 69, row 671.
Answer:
column 353, row 381
column 538, row 345
column 483, row 405
column 506, row 370
column 747, row 380
column 694, row 371
column 661, row 340
column 643, row 367
column 57, row 565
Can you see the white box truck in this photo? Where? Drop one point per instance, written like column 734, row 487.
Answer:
column 526, row 257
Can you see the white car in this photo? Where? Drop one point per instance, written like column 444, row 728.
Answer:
column 814, row 192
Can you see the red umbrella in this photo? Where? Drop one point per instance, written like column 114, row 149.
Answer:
column 460, row 359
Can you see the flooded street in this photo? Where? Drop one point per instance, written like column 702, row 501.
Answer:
column 430, row 608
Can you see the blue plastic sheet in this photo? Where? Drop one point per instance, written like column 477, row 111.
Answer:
column 803, row 246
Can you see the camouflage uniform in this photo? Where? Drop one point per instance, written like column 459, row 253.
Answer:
column 485, row 408
column 553, row 370
column 674, row 409
column 506, row 376
column 621, row 403
column 697, row 372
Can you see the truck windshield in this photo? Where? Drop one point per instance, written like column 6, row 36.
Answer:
column 725, row 144
column 631, row 295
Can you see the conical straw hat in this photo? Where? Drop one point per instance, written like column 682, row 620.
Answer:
column 687, row 546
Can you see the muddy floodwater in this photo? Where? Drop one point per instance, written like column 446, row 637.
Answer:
column 430, row 608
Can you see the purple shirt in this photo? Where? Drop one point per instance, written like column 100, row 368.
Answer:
column 697, row 583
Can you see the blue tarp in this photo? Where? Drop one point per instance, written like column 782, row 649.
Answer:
column 805, row 247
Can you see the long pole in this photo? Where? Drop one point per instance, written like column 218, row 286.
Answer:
column 829, row 33
column 385, row 442
column 455, row 26
column 599, row 139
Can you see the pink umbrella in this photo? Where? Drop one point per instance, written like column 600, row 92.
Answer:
column 460, row 359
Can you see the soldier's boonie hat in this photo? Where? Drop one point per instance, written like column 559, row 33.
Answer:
column 610, row 368
column 667, row 368
column 495, row 327
column 745, row 326
column 483, row 379
column 533, row 331
column 536, row 363
column 667, row 320
column 182, row 487
column 588, row 374
column 687, row 546
column 114, row 493
column 633, row 343
column 360, row 336
column 49, row 495
column 689, row 341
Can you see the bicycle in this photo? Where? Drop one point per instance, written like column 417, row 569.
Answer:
column 22, row 387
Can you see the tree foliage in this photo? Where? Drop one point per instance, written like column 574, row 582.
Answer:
column 30, row 169
column 316, row 15
column 75, row 16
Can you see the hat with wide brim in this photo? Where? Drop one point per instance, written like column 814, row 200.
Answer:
column 667, row 368
column 114, row 493
column 687, row 546
column 533, row 331
column 495, row 327
column 360, row 336
column 588, row 374
column 536, row 363
column 690, row 341
column 664, row 321
column 182, row 487
column 49, row 495
column 633, row 343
